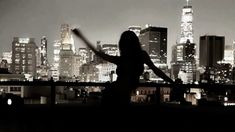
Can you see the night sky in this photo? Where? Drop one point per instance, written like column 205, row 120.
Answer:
column 105, row 20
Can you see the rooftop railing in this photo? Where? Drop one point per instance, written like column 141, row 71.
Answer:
column 223, row 90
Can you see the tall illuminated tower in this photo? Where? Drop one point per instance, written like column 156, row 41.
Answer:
column 184, row 52
column 42, row 66
column 56, row 60
column 187, row 24
column 154, row 42
column 66, row 54
column 43, row 51
column 67, row 42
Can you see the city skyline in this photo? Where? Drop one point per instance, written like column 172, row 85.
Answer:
column 39, row 18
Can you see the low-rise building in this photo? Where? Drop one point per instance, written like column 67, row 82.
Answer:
column 5, row 75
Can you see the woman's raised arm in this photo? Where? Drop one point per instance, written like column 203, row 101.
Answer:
column 112, row 59
column 157, row 71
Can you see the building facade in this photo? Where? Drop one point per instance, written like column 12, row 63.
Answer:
column 184, row 53
column 154, row 42
column 228, row 55
column 187, row 24
column 16, row 90
column 106, row 72
column 66, row 54
column 24, row 56
column 7, row 56
column 56, row 61
column 211, row 50
column 43, row 67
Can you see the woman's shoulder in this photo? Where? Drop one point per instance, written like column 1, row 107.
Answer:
column 144, row 53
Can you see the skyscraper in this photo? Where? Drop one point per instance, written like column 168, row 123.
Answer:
column 84, row 55
column 184, row 53
column 56, row 60
column 66, row 53
column 43, row 51
column 184, row 61
column 154, row 42
column 76, row 64
column 187, row 24
column 67, row 42
column 7, row 56
column 228, row 55
column 211, row 50
column 24, row 56
column 43, row 67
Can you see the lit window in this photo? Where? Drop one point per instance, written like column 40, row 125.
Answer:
column 17, row 61
column 17, row 44
column 23, row 67
column 17, row 49
column 29, row 62
column 22, row 49
column 23, row 56
column 17, row 56
column 30, row 56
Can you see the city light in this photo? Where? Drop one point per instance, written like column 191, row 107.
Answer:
column 9, row 101
column 24, row 40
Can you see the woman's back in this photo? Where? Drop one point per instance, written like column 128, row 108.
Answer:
column 129, row 69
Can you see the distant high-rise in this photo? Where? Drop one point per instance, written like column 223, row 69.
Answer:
column 184, row 61
column 187, row 24
column 24, row 56
column 43, row 51
column 228, row 55
column 56, row 60
column 43, row 66
column 67, row 42
column 135, row 29
column 184, row 52
column 66, row 64
column 110, row 49
column 154, row 42
column 76, row 64
column 84, row 55
column 211, row 50
column 66, row 54
column 7, row 56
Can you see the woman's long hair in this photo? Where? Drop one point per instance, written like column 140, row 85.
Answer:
column 129, row 44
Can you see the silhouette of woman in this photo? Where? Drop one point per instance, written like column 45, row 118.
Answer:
column 130, row 66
